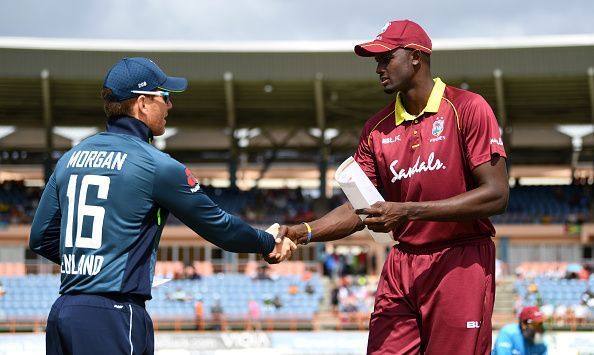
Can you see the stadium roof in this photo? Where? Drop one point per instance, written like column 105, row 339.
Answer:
column 545, row 81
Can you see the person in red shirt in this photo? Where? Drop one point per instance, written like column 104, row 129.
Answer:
column 436, row 155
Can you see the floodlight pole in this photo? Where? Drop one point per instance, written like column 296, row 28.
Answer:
column 591, row 90
column 502, row 112
column 232, row 124
column 48, row 123
column 321, row 122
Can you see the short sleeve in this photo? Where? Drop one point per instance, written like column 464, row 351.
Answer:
column 365, row 157
column 480, row 131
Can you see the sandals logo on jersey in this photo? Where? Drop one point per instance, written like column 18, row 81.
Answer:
column 437, row 130
column 431, row 164
column 192, row 181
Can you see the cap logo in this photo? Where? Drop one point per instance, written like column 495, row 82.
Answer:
column 384, row 29
column 141, row 85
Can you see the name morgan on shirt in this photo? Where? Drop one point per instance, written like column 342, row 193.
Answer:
column 97, row 159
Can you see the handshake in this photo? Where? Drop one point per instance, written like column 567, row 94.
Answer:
column 284, row 246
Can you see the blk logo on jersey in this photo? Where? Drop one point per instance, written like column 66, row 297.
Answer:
column 473, row 324
column 391, row 139
column 192, row 181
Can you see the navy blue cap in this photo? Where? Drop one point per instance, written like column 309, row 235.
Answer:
column 139, row 73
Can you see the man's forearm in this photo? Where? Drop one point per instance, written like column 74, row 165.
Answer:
column 337, row 224
column 488, row 199
column 479, row 203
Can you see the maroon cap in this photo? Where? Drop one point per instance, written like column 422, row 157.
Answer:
column 395, row 34
column 531, row 313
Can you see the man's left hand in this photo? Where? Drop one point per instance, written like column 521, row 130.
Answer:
column 384, row 216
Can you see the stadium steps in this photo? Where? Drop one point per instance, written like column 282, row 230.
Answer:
column 504, row 296
column 328, row 285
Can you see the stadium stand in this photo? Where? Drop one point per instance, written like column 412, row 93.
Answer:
column 546, row 204
column 17, row 202
column 564, row 291
column 289, row 295
column 29, row 297
column 528, row 204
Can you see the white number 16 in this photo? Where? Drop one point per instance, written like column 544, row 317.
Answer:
column 96, row 212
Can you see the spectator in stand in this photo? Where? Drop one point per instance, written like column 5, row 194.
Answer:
column 263, row 273
column 199, row 313
column 277, row 302
column 254, row 314
column 584, row 273
column 309, row 289
column 334, row 297
column 293, row 289
column 560, row 315
column 190, row 273
column 548, row 311
column 218, row 316
column 588, row 298
column 350, row 304
column 180, row 295
column 330, row 267
column 533, row 297
column 580, row 313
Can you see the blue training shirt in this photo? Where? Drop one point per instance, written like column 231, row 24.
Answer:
column 103, row 210
column 510, row 341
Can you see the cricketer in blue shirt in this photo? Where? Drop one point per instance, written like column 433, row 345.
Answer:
column 103, row 210
column 523, row 338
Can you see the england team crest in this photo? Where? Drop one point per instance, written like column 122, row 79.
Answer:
column 437, row 127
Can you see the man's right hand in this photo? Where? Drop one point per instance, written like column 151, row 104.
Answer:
column 282, row 250
column 295, row 233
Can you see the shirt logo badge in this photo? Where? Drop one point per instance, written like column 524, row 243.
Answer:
column 473, row 324
column 389, row 140
column 192, row 181
column 437, row 127
column 496, row 141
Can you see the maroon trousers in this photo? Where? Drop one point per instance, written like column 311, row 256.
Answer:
column 435, row 302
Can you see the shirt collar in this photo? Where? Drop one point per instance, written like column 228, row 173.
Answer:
column 432, row 104
column 131, row 126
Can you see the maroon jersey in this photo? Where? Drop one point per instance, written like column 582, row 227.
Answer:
column 430, row 157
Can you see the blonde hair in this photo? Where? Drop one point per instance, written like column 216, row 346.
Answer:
column 116, row 108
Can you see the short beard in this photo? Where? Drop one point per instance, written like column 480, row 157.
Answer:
column 389, row 91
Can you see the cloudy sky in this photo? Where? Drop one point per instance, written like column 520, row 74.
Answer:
column 262, row 20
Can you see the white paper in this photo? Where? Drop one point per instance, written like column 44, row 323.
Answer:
column 273, row 229
column 360, row 192
column 158, row 281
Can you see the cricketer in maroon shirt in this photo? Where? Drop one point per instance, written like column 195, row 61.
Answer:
column 441, row 172
column 430, row 157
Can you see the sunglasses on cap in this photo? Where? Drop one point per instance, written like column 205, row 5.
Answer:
column 163, row 94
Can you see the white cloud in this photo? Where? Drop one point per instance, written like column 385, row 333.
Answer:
column 288, row 19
